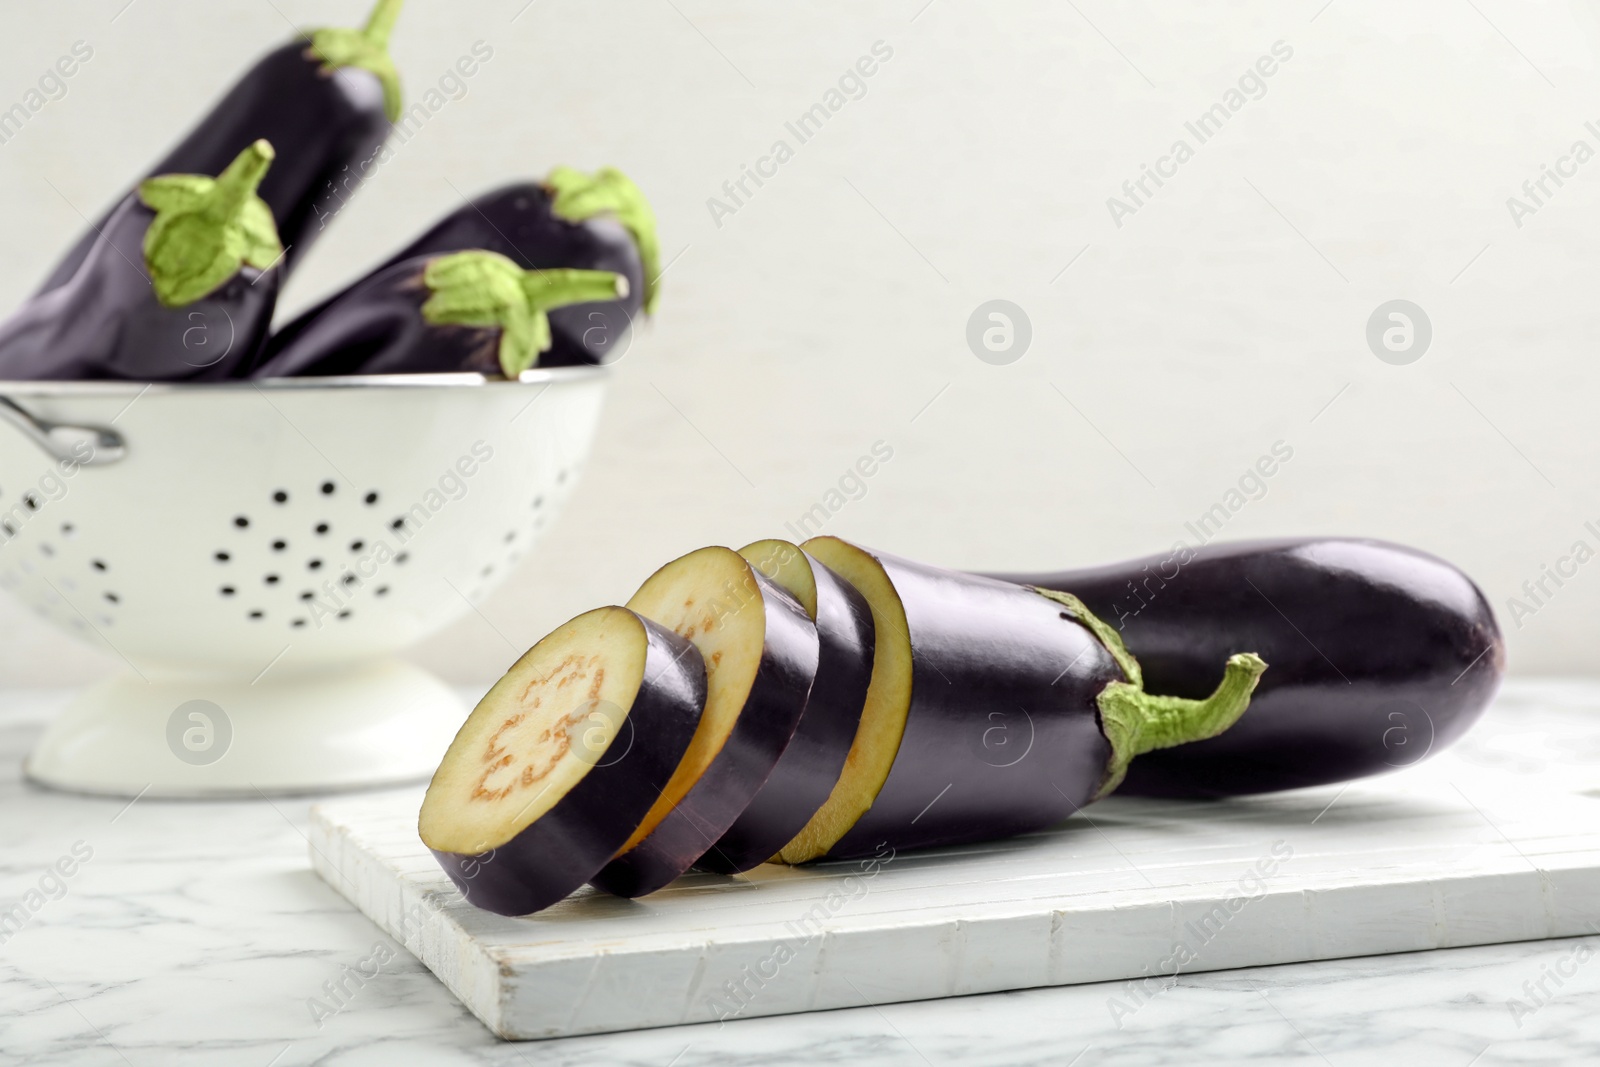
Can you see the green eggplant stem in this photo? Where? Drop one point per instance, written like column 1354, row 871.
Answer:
column 485, row 290
column 380, row 24
column 578, row 197
column 206, row 229
column 366, row 49
column 1136, row 722
column 238, row 183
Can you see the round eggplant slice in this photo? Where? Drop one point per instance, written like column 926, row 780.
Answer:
column 810, row 766
column 760, row 652
column 560, row 761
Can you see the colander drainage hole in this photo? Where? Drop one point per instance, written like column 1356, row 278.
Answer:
column 538, row 502
column 271, row 579
column 280, row 497
column 279, row 546
column 357, row 546
column 258, row 614
column 46, row 550
column 402, row 557
column 343, row 614
column 308, row 595
column 68, row 531
column 510, row 537
column 371, row 498
column 222, row 557
column 321, row 528
column 398, row 524
column 32, row 500
column 298, row 623
column 382, row 590
column 98, row 564
column 327, row 488
column 241, row 521
column 226, row 590
column 315, row 565
column 113, row 598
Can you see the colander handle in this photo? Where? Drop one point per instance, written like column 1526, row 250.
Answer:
column 64, row 442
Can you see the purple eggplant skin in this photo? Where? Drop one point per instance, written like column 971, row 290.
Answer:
column 764, row 729
column 562, row 849
column 107, row 323
column 1381, row 655
column 377, row 327
column 517, row 222
column 1003, row 734
column 322, row 121
column 809, row 766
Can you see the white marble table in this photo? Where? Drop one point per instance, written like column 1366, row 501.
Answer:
column 196, row 933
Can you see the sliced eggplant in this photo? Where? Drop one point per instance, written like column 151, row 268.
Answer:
column 559, row 762
column 810, row 766
column 993, row 710
column 760, row 652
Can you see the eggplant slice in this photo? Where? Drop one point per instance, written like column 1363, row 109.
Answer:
column 760, row 651
column 810, row 766
column 559, row 762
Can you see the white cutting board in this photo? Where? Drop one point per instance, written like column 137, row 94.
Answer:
column 1444, row 854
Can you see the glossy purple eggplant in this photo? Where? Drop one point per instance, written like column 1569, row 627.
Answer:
column 326, row 102
column 1381, row 655
column 761, row 653
column 993, row 710
column 181, row 288
column 806, row 772
column 561, row 759
column 465, row 311
column 570, row 221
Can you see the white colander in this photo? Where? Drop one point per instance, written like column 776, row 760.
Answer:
column 255, row 553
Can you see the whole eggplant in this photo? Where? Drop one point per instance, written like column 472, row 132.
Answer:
column 181, row 287
column 1381, row 655
column 992, row 711
column 571, row 220
column 465, row 311
column 325, row 100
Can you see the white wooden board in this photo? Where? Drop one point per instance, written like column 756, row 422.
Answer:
column 1445, row 854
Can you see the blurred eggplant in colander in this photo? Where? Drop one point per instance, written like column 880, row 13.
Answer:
column 326, row 99
column 463, row 311
column 571, row 220
column 180, row 286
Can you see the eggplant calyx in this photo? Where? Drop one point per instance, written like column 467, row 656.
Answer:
column 366, row 48
column 578, row 197
column 1136, row 722
column 206, row 229
column 486, row 290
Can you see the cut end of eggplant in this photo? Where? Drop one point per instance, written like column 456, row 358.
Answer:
column 536, row 734
column 884, row 716
column 561, row 759
column 711, row 599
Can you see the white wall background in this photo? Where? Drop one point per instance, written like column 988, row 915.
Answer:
column 830, row 312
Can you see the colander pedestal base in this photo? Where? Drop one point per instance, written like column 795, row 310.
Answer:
column 376, row 724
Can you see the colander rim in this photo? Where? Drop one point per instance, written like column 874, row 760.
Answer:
column 535, row 376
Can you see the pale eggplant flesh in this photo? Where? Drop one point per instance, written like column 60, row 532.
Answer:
column 559, row 762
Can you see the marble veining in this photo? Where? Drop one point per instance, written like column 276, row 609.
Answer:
column 198, row 934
